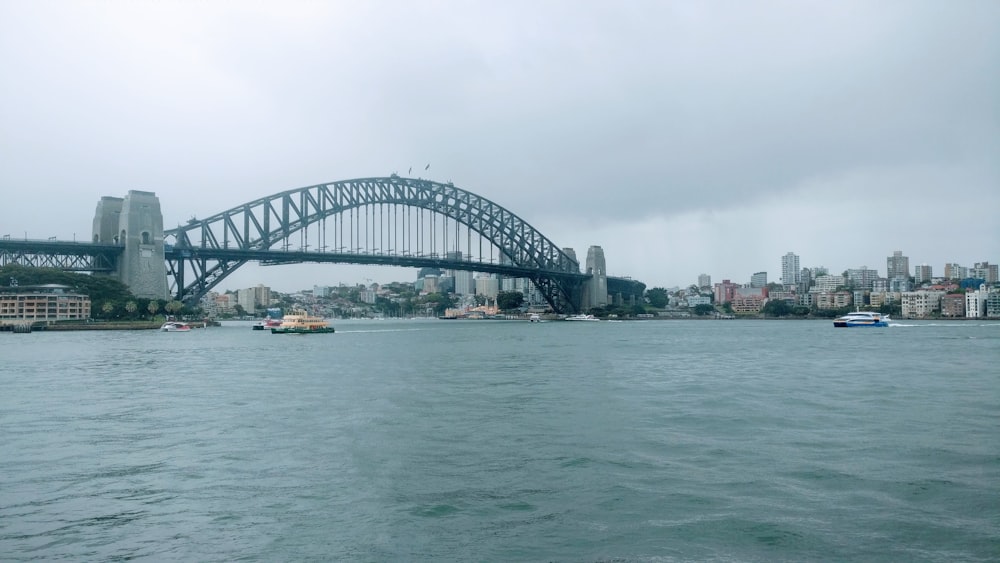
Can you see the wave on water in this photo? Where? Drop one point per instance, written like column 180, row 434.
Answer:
column 381, row 330
column 949, row 325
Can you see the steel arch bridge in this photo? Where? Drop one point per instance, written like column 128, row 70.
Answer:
column 385, row 221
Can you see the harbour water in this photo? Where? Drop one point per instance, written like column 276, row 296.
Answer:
column 504, row 441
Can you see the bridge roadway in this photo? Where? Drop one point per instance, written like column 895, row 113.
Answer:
column 65, row 255
column 97, row 257
column 276, row 257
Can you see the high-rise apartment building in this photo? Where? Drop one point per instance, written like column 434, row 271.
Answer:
column 790, row 272
column 984, row 271
column 955, row 272
column 759, row 279
column 805, row 280
column 922, row 273
column 704, row 280
column 897, row 266
column 862, row 278
column 487, row 285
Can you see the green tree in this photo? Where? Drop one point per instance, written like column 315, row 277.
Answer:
column 153, row 307
column 107, row 308
column 703, row 309
column 509, row 300
column 386, row 306
column 657, row 297
column 131, row 307
column 891, row 309
column 800, row 310
column 637, row 309
column 440, row 302
column 777, row 308
column 240, row 311
column 173, row 306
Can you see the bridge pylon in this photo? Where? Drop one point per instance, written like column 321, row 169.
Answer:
column 135, row 223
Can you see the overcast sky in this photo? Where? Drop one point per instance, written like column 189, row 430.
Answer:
column 683, row 137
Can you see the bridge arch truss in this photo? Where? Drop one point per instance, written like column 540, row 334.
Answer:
column 387, row 220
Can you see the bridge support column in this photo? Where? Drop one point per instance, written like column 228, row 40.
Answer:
column 136, row 223
column 595, row 291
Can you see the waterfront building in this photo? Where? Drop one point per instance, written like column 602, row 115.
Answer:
column 750, row 291
column 704, row 281
column 789, row 296
column 747, row 304
column 805, row 280
column 955, row 271
column 758, row 279
column 431, row 283
column 953, row 305
column 695, row 300
column 897, row 266
column 833, row 299
column 464, row 282
column 225, row 303
column 880, row 285
column 724, row 291
column 262, row 296
column 487, row 285
column 807, row 299
column 790, row 274
column 984, row 271
column 42, row 303
column 975, row 302
column 859, row 297
column 876, row 299
column 900, row 285
column 828, row 283
column 922, row 273
column 993, row 304
column 920, row 303
column 245, row 298
column 862, row 278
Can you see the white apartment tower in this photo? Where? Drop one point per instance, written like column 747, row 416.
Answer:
column 975, row 302
column 790, row 272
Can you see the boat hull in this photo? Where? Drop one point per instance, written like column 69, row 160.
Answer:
column 318, row 330
column 856, row 324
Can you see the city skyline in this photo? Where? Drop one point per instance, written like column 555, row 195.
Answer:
column 410, row 274
column 681, row 138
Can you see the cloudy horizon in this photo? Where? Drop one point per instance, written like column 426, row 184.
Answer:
column 683, row 138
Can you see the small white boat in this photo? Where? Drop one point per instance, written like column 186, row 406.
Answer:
column 175, row 326
column 266, row 324
column 581, row 317
column 534, row 318
column 861, row 318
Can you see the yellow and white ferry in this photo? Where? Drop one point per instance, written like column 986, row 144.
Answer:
column 301, row 323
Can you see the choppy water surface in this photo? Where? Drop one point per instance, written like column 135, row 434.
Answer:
column 469, row 440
